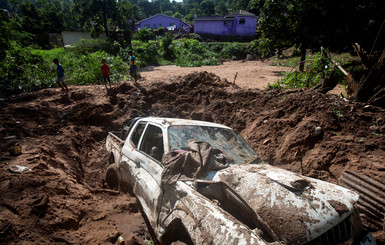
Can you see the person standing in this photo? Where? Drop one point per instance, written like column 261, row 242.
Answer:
column 105, row 72
column 60, row 76
column 133, row 67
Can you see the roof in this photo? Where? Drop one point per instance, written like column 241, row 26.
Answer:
column 241, row 13
column 229, row 16
column 178, row 121
column 137, row 23
column 214, row 18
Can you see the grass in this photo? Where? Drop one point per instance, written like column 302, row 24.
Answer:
column 289, row 61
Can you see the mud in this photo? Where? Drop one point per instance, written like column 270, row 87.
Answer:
column 63, row 199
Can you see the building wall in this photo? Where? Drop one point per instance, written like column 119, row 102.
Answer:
column 214, row 26
column 71, row 37
column 237, row 26
column 246, row 28
column 163, row 21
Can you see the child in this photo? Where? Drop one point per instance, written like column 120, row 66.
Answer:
column 60, row 76
column 105, row 72
column 133, row 66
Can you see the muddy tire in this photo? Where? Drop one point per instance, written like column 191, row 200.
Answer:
column 112, row 177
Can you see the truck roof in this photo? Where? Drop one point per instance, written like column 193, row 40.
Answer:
column 177, row 121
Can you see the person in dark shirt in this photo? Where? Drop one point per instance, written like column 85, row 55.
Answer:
column 60, row 76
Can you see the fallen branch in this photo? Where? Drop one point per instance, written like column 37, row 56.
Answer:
column 235, row 77
column 99, row 190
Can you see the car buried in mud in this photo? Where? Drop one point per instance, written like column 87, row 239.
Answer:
column 201, row 183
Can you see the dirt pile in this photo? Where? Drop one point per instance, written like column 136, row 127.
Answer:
column 62, row 198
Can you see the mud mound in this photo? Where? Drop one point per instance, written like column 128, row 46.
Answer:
column 62, row 198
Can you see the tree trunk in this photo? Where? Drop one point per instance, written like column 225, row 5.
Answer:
column 303, row 58
column 371, row 88
column 105, row 23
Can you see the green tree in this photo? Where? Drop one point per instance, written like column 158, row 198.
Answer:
column 127, row 15
column 177, row 15
column 98, row 12
column 208, row 8
column 315, row 23
column 220, row 8
column 146, row 8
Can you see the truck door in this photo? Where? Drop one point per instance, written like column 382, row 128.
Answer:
column 148, row 177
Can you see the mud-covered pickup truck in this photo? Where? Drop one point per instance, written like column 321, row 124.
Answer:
column 201, row 183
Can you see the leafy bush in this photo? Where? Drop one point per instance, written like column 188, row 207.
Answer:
column 159, row 31
column 21, row 70
column 145, row 53
column 87, row 46
column 190, row 52
column 86, row 68
column 144, row 35
column 320, row 66
column 26, row 69
column 229, row 50
column 167, row 48
column 237, row 50
column 263, row 47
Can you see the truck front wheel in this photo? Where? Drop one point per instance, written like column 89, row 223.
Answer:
column 112, row 177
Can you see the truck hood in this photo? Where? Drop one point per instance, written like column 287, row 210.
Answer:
column 297, row 208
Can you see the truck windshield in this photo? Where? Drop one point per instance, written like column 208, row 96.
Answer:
column 235, row 148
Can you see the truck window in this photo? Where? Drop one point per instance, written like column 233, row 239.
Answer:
column 152, row 143
column 137, row 133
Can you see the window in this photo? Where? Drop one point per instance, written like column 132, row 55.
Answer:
column 233, row 146
column 152, row 143
column 242, row 21
column 146, row 26
column 137, row 133
column 154, row 26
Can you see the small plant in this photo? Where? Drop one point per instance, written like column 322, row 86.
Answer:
column 377, row 134
column 337, row 112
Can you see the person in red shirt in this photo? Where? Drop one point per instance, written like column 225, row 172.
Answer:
column 105, row 72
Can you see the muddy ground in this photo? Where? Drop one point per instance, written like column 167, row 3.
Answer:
column 62, row 199
column 249, row 74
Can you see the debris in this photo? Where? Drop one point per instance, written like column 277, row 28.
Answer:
column 265, row 142
column 371, row 203
column 235, row 77
column 374, row 128
column 317, row 131
column 9, row 137
column 15, row 149
column 121, row 240
column 19, row 169
column 362, row 140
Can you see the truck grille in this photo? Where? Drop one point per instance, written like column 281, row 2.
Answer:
column 339, row 233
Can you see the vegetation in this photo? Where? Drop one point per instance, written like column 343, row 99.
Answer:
column 302, row 24
column 317, row 67
column 28, row 69
column 311, row 24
